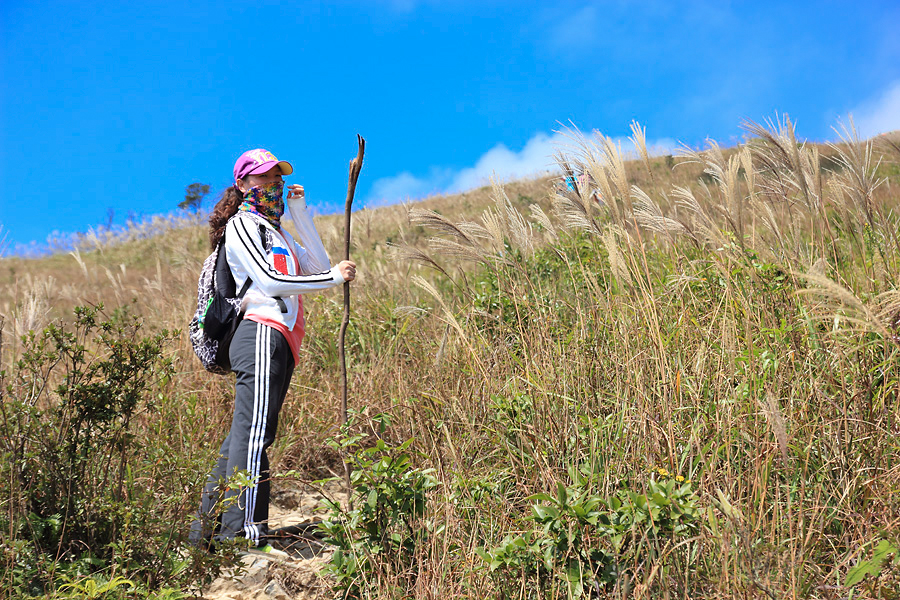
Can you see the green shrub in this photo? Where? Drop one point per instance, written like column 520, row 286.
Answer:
column 587, row 542
column 379, row 541
column 83, row 489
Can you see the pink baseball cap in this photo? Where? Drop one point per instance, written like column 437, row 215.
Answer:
column 254, row 162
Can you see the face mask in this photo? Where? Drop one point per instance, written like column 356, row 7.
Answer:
column 267, row 201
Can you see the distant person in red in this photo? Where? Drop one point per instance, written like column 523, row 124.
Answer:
column 265, row 346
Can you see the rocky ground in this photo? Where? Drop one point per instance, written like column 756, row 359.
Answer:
column 298, row 578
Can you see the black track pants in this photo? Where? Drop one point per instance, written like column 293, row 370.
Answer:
column 262, row 362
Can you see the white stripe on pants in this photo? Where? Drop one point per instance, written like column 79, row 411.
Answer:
column 263, row 363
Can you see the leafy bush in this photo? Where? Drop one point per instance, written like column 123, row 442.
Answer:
column 382, row 538
column 587, row 541
column 81, row 492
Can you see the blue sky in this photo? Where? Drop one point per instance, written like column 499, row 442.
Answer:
column 112, row 108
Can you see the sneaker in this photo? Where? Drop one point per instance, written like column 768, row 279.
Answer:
column 268, row 551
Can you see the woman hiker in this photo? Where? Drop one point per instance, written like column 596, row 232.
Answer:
column 265, row 346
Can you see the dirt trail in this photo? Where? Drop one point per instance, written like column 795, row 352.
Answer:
column 297, row 579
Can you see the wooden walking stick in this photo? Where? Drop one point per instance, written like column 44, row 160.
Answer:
column 355, row 166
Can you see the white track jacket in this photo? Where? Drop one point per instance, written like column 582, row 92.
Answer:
column 269, row 262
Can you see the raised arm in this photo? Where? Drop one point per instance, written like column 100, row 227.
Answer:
column 244, row 249
column 315, row 259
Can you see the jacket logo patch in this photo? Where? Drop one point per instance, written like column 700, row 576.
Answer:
column 280, row 256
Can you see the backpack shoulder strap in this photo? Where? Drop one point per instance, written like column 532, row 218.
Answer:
column 224, row 281
column 244, row 288
column 224, row 276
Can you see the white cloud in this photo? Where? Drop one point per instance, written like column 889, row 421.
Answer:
column 879, row 115
column 406, row 185
column 535, row 159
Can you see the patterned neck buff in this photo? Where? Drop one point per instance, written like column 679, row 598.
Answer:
column 266, row 201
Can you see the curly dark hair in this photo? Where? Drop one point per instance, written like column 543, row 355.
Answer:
column 225, row 208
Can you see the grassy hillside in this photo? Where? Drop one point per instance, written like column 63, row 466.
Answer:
column 679, row 379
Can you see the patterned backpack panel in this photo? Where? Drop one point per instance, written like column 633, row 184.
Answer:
column 205, row 348
column 211, row 343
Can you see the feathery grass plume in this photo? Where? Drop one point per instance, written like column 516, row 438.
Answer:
column 440, row 223
column 409, row 311
column 612, row 156
column 453, row 249
column 599, row 159
column 776, row 152
column 733, row 204
column 858, row 179
column 812, row 170
column 701, row 227
column 749, row 171
column 819, row 267
column 851, row 220
column 617, row 262
column 405, row 252
column 568, row 170
column 857, row 176
column 498, row 224
column 31, row 314
column 725, row 174
column 790, row 177
column 712, row 160
column 837, row 304
column 765, row 213
column 886, row 307
column 639, row 138
column 567, row 204
column 97, row 239
column 573, row 213
column 447, row 315
column 362, row 223
column 76, row 254
column 754, row 205
column 158, row 283
column 775, row 418
column 541, row 218
column 602, row 189
column 493, row 223
column 650, row 216
column 116, row 282
column 519, row 230
column 442, row 347
column 775, row 138
column 476, row 231
column 575, row 208
column 796, row 163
